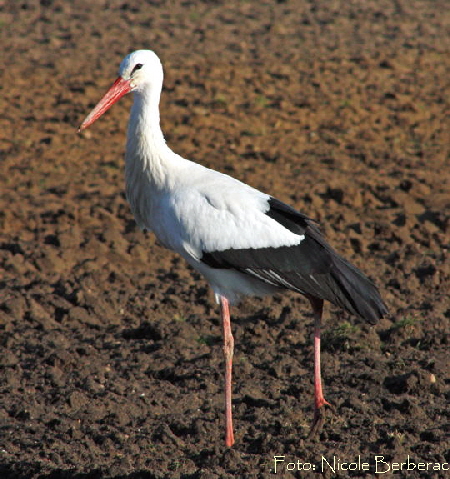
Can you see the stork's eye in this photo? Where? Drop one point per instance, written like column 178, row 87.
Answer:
column 138, row 66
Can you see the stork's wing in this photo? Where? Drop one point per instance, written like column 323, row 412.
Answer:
column 311, row 267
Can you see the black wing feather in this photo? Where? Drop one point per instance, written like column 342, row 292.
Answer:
column 312, row 268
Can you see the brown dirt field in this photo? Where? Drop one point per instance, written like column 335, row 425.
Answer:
column 110, row 360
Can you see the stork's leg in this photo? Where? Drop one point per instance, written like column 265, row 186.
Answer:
column 319, row 400
column 228, row 349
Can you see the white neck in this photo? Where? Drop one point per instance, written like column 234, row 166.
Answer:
column 147, row 152
column 151, row 167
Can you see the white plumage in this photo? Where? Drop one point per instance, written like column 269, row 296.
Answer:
column 242, row 240
column 191, row 209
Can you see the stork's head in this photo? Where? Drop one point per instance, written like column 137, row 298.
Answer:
column 139, row 71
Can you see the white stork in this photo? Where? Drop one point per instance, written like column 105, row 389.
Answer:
column 243, row 241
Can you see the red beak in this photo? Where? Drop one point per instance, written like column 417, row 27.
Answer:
column 119, row 88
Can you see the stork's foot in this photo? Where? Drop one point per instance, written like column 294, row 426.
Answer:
column 319, row 417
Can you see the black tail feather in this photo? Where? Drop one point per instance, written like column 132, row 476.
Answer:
column 356, row 293
column 336, row 280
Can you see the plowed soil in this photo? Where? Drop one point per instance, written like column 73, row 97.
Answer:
column 110, row 359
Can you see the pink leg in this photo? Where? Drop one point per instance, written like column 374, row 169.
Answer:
column 228, row 349
column 319, row 400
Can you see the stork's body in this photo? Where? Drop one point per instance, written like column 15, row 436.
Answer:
column 242, row 240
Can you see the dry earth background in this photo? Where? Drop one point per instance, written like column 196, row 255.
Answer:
column 110, row 359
